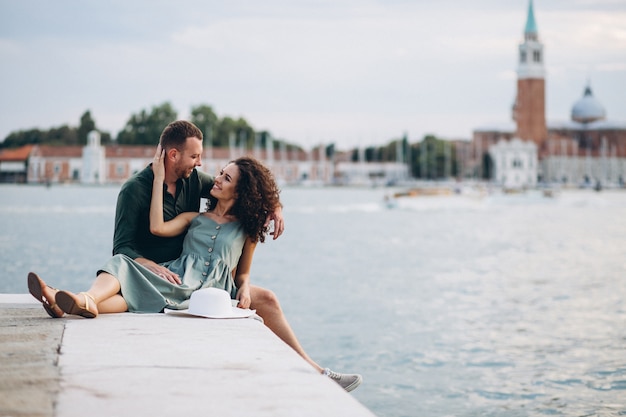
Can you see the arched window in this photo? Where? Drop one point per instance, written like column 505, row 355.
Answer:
column 537, row 56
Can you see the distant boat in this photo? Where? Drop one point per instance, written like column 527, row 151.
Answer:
column 509, row 190
column 424, row 191
column 549, row 192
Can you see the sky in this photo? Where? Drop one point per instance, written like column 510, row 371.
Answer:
column 349, row 72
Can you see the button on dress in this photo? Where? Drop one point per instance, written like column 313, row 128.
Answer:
column 210, row 253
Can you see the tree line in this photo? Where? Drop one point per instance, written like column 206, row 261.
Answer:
column 144, row 128
column 431, row 158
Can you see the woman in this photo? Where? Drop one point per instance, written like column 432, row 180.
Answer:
column 217, row 251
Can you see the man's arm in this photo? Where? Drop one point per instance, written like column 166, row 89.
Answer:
column 130, row 209
column 279, row 222
column 126, row 222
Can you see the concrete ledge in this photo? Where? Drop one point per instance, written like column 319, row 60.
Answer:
column 156, row 364
column 17, row 300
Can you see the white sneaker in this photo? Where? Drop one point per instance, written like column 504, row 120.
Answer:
column 346, row 381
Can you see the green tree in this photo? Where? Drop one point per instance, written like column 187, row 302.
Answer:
column 207, row 121
column 263, row 137
column 406, row 149
column 145, row 128
column 62, row 135
column 23, row 137
column 413, row 160
column 134, row 129
column 87, row 124
column 487, row 166
column 105, row 138
column 243, row 133
column 433, row 158
column 330, row 151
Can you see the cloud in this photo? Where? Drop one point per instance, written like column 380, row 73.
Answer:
column 307, row 71
column 611, row 67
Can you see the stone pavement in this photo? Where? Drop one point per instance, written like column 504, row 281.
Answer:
column 29, row 353
column 153, row 365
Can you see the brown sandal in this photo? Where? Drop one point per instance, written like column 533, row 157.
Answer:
column 69, row 303
column 35, row 287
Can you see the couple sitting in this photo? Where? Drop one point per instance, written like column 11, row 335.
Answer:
column 161, row 260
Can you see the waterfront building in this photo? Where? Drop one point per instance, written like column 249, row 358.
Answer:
column 13, row 164
column 515, row 164
column 372, row 173
column 588, row 149
column 53, row 164
column 98, row 164
column 93, row 160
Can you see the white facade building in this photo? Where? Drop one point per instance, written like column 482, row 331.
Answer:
column 372, row 173
column 514, row 163
column 94, row 160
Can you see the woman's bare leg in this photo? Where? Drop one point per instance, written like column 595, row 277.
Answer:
column 267, row 306
column 105, row 290
column 115, row 304
column 105, row 293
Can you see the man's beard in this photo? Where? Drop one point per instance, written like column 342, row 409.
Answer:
column 184, row 173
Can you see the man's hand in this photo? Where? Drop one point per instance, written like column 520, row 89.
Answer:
column 161, row 271
column 279, row 223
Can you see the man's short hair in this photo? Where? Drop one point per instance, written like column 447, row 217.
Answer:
column 176, row 133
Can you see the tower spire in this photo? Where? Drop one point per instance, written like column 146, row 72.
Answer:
column 530, row 31
column 531, row 50
column 529, row 108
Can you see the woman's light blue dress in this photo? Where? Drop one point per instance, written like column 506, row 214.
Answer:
column 210, row 253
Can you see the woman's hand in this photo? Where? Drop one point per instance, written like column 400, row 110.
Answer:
column 243, row 295
column 158, row 165
column 158, row 226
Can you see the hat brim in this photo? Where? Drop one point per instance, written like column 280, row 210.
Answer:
column 236, row 313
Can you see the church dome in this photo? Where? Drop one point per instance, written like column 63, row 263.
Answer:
column 588, row 109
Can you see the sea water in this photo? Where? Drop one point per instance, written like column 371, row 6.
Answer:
column 464, row 305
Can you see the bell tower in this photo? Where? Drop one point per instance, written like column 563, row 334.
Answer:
column 529, row 110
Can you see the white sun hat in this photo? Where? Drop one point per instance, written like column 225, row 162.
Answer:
column 213, row 303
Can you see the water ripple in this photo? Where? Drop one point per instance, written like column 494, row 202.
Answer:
column 448, row 307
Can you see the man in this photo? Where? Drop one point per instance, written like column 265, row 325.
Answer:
column 183, row 187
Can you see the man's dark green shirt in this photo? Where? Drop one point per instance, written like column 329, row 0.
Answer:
column 132, row 235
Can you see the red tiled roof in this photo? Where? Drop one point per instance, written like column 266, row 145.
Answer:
column 129, row 151
column 219, row 153
column 17, row 154
column 58, row 151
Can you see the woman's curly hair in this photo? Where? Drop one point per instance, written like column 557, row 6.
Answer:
column 257, row 196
